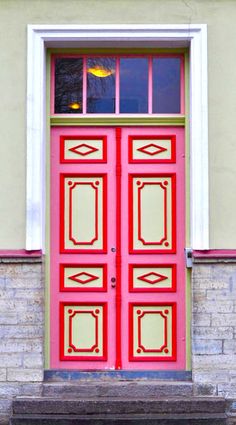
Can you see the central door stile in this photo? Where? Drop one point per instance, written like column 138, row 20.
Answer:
column 118, row 364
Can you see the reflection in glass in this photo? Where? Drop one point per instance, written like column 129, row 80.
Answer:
column 101, row 85
column 68, row 85
column 166, row 85
column 133, row 85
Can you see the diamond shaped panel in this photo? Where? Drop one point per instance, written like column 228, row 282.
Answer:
column 152, row 277
column 83, row 277
column 152, row 149
column 83, row 149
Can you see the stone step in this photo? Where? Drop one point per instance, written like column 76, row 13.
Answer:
column 117, row 389
column 171, row 419
column 116, row 405
column 120, row 411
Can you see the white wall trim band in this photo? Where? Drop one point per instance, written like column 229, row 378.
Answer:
column 42, row 36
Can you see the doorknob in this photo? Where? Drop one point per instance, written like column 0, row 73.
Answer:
column 113, row 282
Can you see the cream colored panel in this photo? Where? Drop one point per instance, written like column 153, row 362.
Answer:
column 152, row 331
column 152, row 277
column 83, row 277
column 152, row 213
column 83, row 213
column 151, row 149
column 83, row 149
column 83, row 330
column 152, row 218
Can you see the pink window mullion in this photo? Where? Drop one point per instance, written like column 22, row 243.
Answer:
column 52, row 99
column 182, row 86
column 117, row 93
column 84, row 85
column 150, row 85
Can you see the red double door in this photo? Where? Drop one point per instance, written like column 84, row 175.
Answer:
column 117, row 248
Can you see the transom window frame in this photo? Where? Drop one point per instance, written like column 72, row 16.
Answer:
column 41, row 37
column 117, row 57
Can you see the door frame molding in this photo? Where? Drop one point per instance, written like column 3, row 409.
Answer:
column 41, row 37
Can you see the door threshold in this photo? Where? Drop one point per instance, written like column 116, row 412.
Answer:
column 116, row 375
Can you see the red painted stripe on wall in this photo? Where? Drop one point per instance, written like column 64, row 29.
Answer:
column 19, row 253
column 215, row 253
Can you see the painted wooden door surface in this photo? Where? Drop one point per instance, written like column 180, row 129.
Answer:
column 117, row 248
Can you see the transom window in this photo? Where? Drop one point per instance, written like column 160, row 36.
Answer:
column 118, row 85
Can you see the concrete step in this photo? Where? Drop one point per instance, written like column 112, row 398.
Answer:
column 150, row 419
column 133, row 389
column 119, row 411
column 117, row 405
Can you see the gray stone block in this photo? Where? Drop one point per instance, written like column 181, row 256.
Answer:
column 213, row 332
column 205, row 346
column 24, row 375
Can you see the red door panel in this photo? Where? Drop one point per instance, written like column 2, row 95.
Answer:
column 117, row 248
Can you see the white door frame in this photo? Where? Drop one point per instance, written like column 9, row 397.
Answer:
column 42, row 36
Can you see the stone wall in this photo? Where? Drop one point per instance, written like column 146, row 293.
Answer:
column 214, row 325
column 21, row 329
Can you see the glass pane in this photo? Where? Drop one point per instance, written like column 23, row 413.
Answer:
column 68, row 85
column 166, row 85
column 101, row 85
column 133, row 85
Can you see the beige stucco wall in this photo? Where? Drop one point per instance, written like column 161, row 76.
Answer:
column 220, row 15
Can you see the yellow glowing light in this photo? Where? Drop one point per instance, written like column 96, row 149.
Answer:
column 74, row 105
column 99, row 71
